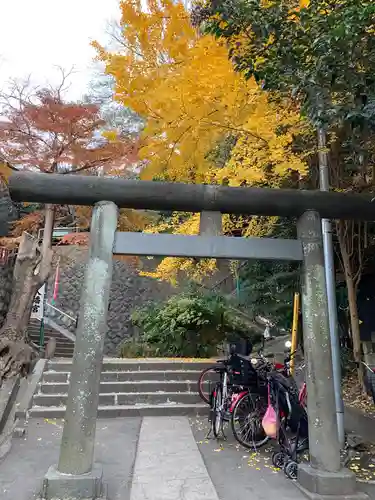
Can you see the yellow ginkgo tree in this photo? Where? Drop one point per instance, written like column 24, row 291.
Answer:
column 191, row 100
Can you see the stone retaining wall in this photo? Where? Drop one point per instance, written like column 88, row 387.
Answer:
column 129, row 291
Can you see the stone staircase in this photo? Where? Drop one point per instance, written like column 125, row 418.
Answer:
column 64, row 345
column 128, row 388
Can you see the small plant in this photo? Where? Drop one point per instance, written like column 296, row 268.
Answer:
column 186, row 325
column 137, row 348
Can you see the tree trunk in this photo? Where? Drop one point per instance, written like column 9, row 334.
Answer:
column 32, row 267
column 353, row 310
column 24, row 287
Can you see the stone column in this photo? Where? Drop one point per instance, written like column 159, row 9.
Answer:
column 210, row 224
column 324, row 476
column 76, row 476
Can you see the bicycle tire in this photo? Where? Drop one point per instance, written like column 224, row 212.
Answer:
column 254, row 441
column 217, row 422
column 202, row 395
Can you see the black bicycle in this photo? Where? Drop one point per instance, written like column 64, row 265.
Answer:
column 220, row 396
column 250, row 404
column 239, row 396
column 218, row 385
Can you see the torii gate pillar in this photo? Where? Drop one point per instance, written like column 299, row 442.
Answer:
column 76, row 476
column 323, row 478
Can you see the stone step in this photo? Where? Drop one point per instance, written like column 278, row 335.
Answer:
column 131, row 365
column 59, row 342
column 34, row 331
column 137, row 410
column 116, row 376
column 129, row 387
column 135, row 386
column 127, row 399
column 65, row 347
column 49, row 333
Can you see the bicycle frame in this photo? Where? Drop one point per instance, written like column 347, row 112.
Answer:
column 224, row 386
column 235, row 398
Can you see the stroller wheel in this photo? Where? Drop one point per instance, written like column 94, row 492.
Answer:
column 290, row 469
column 278, row 459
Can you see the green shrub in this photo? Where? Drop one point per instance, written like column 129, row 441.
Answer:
column 186, row 325
column 136, row 348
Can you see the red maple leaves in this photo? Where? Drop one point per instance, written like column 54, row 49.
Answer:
column 79, row 239
column 40, row 131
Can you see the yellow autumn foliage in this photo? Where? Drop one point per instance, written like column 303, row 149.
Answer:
column 263, row 152
column 185, row 88
column 183, row 84
column 5, row 171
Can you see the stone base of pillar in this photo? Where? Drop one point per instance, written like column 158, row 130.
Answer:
column 320, row 485
column 58, row 486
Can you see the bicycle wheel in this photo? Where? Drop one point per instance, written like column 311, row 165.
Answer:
column 217, row 422
column 247, row 418
column 207, row 377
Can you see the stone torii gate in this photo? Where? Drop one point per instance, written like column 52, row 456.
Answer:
column 76, row 476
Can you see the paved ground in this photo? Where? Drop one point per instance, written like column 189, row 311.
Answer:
column 169, row 465
column 360, row 423
column 154, row 459
column 242, row 474
column 22, row 471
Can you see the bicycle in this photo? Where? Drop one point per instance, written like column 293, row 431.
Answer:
column 240, row 395
column 207, row 373
column 206, row 377
column 219, row 398
column 224, row 394
column 249, row 405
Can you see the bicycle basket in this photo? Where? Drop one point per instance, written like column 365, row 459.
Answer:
column 243, row 372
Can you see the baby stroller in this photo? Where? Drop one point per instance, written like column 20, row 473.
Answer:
column 292, row 435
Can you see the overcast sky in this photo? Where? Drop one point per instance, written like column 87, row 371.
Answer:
column 38, row 35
